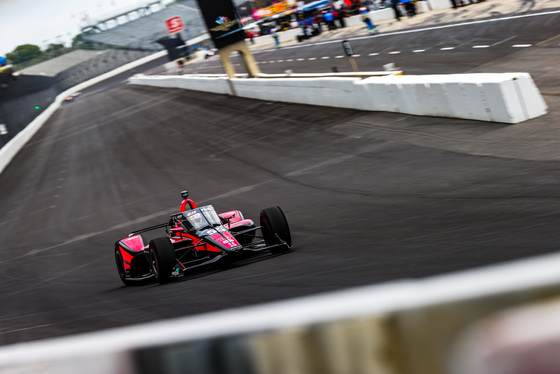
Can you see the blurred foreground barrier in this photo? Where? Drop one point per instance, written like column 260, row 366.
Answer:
column 519, row 340
column 439, row 325
column 505, row 97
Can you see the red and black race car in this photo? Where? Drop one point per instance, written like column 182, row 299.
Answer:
column 199, row 238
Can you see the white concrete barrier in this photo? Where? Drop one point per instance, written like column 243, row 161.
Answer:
column 506, row 97
column 216, row 84
column 440, row 4
column 423, row 6
column 379, row 15
column 335, row 92
column 528, row 94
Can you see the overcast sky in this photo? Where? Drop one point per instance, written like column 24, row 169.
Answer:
column 42, row 22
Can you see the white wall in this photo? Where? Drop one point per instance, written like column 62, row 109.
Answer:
column 440, row 4
column 503, row 97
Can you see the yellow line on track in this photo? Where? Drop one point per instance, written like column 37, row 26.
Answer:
column 547, row 40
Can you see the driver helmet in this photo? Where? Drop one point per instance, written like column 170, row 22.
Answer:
column 198, row 220
column 184, row 194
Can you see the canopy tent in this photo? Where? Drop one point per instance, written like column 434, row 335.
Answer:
column 314, row 5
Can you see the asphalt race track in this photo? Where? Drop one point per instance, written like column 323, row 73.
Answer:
column 370, row 197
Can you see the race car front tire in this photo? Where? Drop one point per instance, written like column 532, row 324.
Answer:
column 162, row 258
column 129, row 280
column 274, row 225
column 120, row 267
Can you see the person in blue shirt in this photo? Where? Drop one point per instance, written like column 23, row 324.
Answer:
column 328, row 16
column 364, row 13
column 276, row 38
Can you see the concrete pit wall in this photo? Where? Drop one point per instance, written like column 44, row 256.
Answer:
column 505, row 97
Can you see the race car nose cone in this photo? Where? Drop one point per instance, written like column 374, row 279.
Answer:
column 236, row 249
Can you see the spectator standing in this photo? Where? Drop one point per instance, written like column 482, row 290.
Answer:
column 328, row 16
column 276, row 39
column 409, row 7
column 318, row 22
column 395, row 6
column 364, row 12
column 251, row 36
column 340, row 13
column 315, row 23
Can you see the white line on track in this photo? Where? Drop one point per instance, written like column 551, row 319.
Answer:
column 419, row 51
column 394, row 52
column 325, row 58
column 505, row 40
column 522, row 45
column 481, row 46
column 339, row 57
column 312, row 58
column 333, row 161
column 447, row 48
column 374, row 54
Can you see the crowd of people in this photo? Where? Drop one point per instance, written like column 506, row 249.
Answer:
column 316, row 21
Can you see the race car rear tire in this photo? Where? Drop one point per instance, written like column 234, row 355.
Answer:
column 162, row 258
column 274, row 225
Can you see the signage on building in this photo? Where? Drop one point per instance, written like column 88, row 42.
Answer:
column 174, row 24
column 223, row 21
column 271, row 10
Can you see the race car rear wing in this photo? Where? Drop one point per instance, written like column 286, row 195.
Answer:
column 160, row 226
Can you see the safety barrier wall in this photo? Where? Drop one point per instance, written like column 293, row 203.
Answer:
column 440, row 4
column 335, row 92
column 216, row 84
column 403, row 327
column 506, row 97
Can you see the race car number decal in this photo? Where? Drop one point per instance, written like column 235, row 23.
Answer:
column 225, row 239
